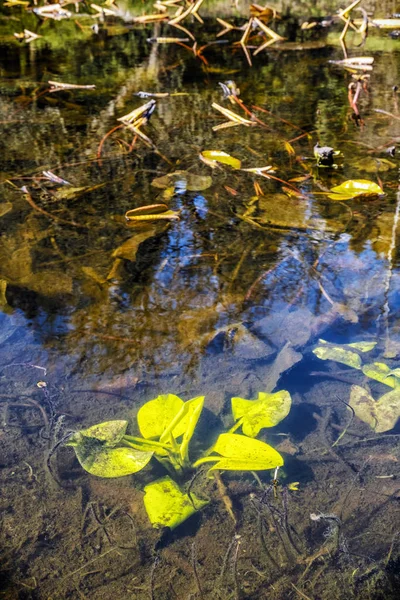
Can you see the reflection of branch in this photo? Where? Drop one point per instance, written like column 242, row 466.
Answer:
column 353, row 99
column 30, row 201
column 390, row 254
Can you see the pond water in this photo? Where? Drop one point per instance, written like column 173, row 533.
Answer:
column 100, row 315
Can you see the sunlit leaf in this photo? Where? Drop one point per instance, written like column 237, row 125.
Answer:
column 241, row 453
column 266, row 411
column 155, row 416
column 221, row 157
column 192, row 409
column 167, row 506
column 380, row 415
column 338, row 354
column 381, row 372
column 95, row 449
column 165, row 215
column 109, row 432
column 102, row 461
column 354, row 188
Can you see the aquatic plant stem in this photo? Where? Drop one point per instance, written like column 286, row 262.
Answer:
column 353, row 414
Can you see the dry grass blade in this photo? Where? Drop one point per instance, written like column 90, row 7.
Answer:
column 237, row 119
column 344, row 13
column 227, row 27
column 244, row 39
column 134, row 116
column 182, row 28
column 56, row 86
column 274, row 37
column 225, row 125
column 151, row 18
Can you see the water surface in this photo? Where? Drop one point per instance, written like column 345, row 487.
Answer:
column 228, row 301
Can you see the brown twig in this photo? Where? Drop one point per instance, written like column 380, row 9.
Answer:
column 30, row 201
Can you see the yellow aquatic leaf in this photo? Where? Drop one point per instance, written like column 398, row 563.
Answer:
column 354, row 188
column 167, row 505
column 241, row 453
column 266, row 411
column 220, row 156
column 381, row 415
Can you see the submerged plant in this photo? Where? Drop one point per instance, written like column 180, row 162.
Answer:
column 382, row 414
column 167, row 425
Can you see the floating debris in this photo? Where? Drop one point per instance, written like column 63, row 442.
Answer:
column 28, row 36
column 57, row 86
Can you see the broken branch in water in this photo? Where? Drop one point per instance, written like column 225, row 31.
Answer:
column 30, row 201
column 57, row 86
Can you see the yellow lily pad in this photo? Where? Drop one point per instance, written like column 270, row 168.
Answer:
column 354, row 188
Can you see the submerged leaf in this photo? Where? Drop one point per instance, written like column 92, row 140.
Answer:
column 338, row 353
column 221, row 157
column 266, row 411
column 155, row 416
column 240, row 453
column 363, row 346
column 167, row 506
column 129, row 248
column 190, row 181
column 95, row 449
column 354, row 188
column 102, row 461
column 109, row 432
column 371, row 164
column 381, row 372
column 5, row 207
column 381, row 415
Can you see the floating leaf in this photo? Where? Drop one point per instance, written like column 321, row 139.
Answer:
column 354, row 188
column 221, row 157
column 167, row 506
column 266, row 411
column 381, row 372
column 380, row 415
column 338, row 353
column 151, row 212
column 240, row 453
